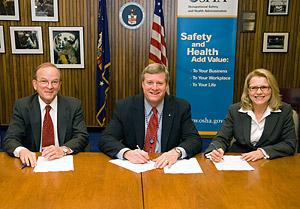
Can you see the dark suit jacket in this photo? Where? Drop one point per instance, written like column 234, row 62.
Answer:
column 25, row 125
column 127, row 127
column 278, row 138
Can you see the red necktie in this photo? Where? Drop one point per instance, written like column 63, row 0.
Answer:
column 48, row 129
column 151, row 135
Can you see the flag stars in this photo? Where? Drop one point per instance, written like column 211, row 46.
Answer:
column 101, row 83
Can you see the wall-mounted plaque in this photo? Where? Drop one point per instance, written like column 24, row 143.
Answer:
column 248, row 22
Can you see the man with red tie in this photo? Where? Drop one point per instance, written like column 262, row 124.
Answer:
column 151, row 122
column 46, row 121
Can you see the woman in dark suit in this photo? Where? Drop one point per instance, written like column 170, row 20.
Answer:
column 261, row 125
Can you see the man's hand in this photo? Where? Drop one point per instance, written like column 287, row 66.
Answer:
column 27, row 157
column 52, row 152
column 137, row 156
column 217, row 156
column 166, row 159
column 253, row 156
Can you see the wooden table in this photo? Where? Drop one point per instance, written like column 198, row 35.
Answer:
column 94, row 183
column 273, row 184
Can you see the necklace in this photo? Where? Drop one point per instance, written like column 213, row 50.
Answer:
column 146, row 116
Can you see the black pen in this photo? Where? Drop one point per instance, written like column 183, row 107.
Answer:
column 23, row 166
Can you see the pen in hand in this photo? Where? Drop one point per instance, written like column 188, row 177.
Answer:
column 216, row 149
column 137, row 146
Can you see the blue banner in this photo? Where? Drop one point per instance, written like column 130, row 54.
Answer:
column 103, row 64
column 206, row 44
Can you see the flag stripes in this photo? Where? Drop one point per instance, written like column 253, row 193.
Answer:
column 158, row 49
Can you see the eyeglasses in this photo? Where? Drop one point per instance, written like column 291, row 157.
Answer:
column 262, row 88
column 46, row 83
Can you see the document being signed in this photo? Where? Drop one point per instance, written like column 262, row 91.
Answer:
column 233, row 163
column 181, row 166
column 138, row 168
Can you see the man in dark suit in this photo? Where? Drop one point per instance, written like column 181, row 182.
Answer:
column 25, row 134
column 176, row 136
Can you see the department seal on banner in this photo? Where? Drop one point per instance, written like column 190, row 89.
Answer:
column 132, row 15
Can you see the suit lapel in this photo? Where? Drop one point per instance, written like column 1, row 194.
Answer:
column 139, row 120
column 245, row 120
column 168, row 115
column 63, row 113
column 35, row 121
column 270, row 124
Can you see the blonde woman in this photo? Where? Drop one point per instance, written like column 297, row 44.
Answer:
column 261, row 124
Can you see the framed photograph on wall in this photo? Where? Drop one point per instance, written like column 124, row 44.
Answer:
column 26, row 40
column 275, row 42
column 2, row 42
column 9, row 10
column 66, row 47
column 278, row 7
column 44, row 10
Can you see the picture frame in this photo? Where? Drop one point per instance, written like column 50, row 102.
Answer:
column 2, row 42
column 26, row 39
column 66, row 47
column 9, row 10
column 46, row 10
column 278, row 7
column 275, row 42
column 248, row 23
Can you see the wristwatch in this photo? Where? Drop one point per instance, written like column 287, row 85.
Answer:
column 65, row 150
column 178, row 151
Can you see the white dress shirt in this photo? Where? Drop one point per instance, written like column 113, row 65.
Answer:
column 257, row 127
column 53, row 114
column 149, row 113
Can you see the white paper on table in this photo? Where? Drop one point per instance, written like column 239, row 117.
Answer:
column 62, row 164
column 138, row 168
column 184, row 166
column 233, row 163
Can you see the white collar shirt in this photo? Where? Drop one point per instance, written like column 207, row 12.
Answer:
column 149, row 112
column 257, row 127
column 53, row 114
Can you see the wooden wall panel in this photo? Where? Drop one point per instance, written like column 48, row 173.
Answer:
column 130, row 48
column 16, row 71
column 249, row 56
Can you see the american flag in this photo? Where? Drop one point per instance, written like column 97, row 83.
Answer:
column 158, row 49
